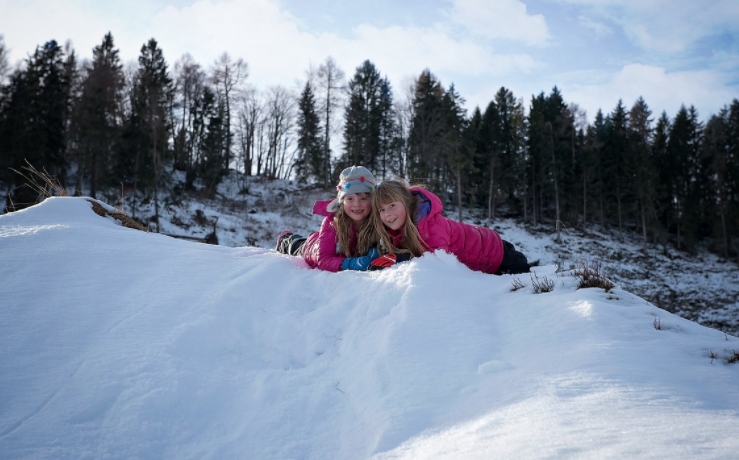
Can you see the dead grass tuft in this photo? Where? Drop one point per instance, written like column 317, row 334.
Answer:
column 590, row 276
column 541, row 285
column 121, row 217
column 516, row 285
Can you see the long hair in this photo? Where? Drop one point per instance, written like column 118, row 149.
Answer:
column 387, row 192
column 366, row 236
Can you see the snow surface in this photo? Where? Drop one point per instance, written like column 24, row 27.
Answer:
column 116, row 343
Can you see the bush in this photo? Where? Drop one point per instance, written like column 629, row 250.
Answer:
column 589, row 276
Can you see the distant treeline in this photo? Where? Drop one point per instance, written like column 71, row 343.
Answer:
column 101, row 127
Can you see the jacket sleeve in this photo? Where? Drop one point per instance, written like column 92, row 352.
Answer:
column 326, row 257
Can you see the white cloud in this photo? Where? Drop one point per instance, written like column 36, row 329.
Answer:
column 279, row 51
column 665, row 91
column 600, row 28
column 665, row 25
column 27, row 25
column 506, row 19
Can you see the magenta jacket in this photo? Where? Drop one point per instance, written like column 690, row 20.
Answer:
column 479, row 248
column 321, row 248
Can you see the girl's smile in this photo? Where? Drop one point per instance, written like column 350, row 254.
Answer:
column 357, row 206
column 393, row 215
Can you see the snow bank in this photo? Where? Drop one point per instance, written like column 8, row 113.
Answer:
column 118, row 343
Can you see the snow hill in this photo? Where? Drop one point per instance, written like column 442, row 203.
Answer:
column 115, row 343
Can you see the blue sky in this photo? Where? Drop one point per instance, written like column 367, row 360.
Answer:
column 595, row 51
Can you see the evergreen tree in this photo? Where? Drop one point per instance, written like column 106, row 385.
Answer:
column 147, row 130
column 618, row 171
column 368, row 119
column 308, row 165
column 732, row 169
column 33, row 123
column 457, row 148
column 665, row 184
column 640, row 156
column 426, row 160
column 715, row 153
column 683, row 152
column 97, row 121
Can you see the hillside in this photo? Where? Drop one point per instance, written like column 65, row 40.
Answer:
column 121, row 343
column 698, row 287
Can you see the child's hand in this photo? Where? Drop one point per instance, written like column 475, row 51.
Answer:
column 361, row 263
column 388, row 260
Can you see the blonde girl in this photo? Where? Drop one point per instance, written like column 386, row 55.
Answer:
column 408, row 219
column 346, row 239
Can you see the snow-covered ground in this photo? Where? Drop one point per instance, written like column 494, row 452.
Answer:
column 699, row 287
column 116, row 343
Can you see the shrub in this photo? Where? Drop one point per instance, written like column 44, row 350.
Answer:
column 543, row 285
column 590, row 276
column 516, row 285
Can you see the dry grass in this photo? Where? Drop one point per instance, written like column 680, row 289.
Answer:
column 516, row 285
column 590, row 276
column 40, row 182
column 541, row 285
column 45, row 185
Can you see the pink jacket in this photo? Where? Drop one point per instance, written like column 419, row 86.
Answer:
column 479, row 248
column 321, row 248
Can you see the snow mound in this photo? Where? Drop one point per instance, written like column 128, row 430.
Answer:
column 120, row 343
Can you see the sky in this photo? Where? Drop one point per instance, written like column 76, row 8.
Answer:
column 596, row 52
column 116, row 343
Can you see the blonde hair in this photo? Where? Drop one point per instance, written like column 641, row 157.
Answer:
column 366, row 236
column 387, row 192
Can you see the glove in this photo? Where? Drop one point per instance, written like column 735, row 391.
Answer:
column 361, row 263
column 388, row 260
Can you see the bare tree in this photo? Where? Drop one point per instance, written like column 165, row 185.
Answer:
column 189, row 86
column 3, row 59
column 330, row 84
column 227, row 78
column 250, row 115
column 280, row 119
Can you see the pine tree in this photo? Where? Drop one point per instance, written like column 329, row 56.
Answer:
column 640, row 156
column 33, row 124
column 308, row 165
column 715, row 152
column 683, row 154
column 617, row 168
column 97, row 122
column 426, row 160
column 365, row 120
column 457, row 148
column 665, row 184
column 147, row 130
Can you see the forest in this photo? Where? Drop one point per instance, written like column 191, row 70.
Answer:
column 108, row 129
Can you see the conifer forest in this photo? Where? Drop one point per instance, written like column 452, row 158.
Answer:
column 105, row 128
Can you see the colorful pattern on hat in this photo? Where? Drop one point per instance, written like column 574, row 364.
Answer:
column 356, row 179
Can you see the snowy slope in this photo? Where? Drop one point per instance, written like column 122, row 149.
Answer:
column 123, row 344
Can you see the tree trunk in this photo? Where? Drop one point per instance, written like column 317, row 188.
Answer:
column 459, row 192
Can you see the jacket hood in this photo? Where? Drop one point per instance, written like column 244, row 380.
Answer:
column 321, row 208
column 433, row 206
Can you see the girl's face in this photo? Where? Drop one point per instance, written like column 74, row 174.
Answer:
column 357, row 206
column 393, row 215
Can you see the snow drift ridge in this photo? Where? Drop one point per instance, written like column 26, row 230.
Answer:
column 123, row 343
